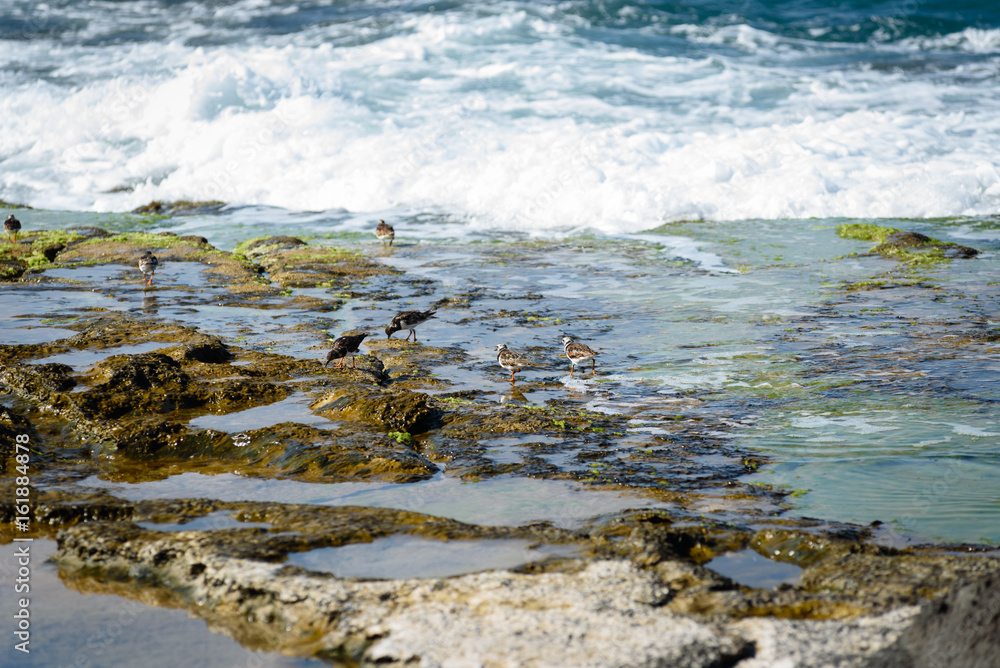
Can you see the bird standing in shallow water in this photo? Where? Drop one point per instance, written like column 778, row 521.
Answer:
column 512, row 360
column 147, row 265
column 12, row 226
column 408, row 320
column 385, row 231
column 344, row 346
column 579, row 353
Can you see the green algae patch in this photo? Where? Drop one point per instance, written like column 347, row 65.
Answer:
column 910, row 248
column 865, row 232
column 292, row 263
column 914, row 252
column 35, row 250
column 260, row 246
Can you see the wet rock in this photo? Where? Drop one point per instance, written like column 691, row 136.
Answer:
column 146, row 438
column 914, row 242
column 12, row 269
column 50, row 252
column 209, row 350
column 38, row 380
column 319, row 455
column 904, row 245
column 797, row 547
column 150, row 382
column 290, row 264
column 255, row 248
column 238, row 394
column 393, row 410
column 140, row 372
column 34, row 252
column 11, row 425
column 652, row 538
column 180, row 207
column 90, row 232
column 52, row 509
column 891, row 578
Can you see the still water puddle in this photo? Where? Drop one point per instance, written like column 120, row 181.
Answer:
column 750, row 569
column 168, row 274
column 102, row 273
column 220, row 519
column 417, row 557
column 513, row 449
column 501, row 501
column 293, row 409
column 82, row 359
column 70, row 627
column 30, row 335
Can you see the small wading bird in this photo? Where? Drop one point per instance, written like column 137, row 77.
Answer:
column 512, row 360
column 12, row 226
column 408, row 320
column 344, row 346
column 579, row 353
column 385, row 231
column 147, row 265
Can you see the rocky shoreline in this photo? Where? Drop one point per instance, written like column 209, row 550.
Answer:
column 635, row 591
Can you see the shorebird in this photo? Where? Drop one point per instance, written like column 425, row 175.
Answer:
column 512, row 360
column 12, row 226
column 147, row 265
column 408, row 320
column 579, row 353
column 344, row 346
column 385, row 231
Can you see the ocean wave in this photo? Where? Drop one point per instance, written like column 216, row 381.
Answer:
column 509, row 118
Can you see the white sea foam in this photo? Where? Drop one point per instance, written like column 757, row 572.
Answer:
column 505, row 119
